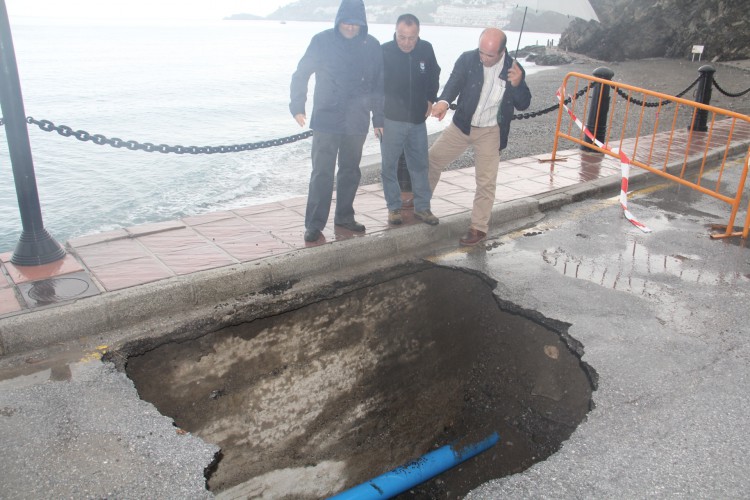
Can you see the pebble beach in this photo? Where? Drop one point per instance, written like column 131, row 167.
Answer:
column 533, row 136
column 669, row 76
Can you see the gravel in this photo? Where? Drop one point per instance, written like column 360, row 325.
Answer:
column 533, row 136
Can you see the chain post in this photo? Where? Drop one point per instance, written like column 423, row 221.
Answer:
column 597, row 122
column 703, row 96
column 35, row 246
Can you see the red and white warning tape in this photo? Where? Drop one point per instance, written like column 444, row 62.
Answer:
column 624, row 163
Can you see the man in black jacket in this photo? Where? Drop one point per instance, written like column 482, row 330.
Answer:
column 411, row 79
column 488, row 85
column 348, row 67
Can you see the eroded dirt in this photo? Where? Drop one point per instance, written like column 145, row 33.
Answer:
column 322, row 398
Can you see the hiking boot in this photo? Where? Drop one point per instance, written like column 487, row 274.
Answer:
column 394, row 217
column 353, row 226
column 427, row 217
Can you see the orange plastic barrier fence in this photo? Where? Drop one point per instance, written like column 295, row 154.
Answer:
column 662, row 134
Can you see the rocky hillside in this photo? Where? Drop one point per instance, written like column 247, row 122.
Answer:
column 629, row 29
column 637, row 29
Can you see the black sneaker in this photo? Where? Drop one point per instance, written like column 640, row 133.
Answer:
column 312, row 235
column 353, row 226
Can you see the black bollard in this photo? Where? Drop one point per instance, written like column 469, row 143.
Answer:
column 404, row 180
column 36, row 246
column 703, row 96
column 600, row 94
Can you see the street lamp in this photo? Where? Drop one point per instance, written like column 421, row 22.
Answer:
column 36, row 246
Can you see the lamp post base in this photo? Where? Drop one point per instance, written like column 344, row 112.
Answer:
column 35, row 248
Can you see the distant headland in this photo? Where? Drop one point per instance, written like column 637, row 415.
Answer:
column 244, row 17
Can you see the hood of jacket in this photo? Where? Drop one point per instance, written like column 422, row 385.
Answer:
column 352, row 12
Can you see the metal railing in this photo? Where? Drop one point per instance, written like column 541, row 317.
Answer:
column 662, row 140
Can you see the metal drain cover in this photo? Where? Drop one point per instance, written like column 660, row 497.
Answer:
column 60, row 289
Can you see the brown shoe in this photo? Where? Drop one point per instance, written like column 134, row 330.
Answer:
column 472, row 237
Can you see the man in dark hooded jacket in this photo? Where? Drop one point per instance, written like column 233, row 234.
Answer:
column 348, row 67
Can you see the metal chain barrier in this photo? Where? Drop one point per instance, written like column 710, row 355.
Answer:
column 654, row 104
column 534, row 114
column 728, row 94
column 115, row 142
column 149, row 147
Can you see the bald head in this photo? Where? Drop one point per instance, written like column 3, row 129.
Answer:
column 491, row 46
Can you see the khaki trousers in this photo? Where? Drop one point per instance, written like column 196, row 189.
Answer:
column 449, row 146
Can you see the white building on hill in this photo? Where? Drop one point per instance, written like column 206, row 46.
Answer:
column 496, row 14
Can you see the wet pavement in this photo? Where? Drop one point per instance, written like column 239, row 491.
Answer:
column 78, row 430
column 661, row 317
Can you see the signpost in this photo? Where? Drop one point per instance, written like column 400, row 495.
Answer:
column 697, row 49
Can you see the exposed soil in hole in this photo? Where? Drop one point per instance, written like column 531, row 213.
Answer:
column 324, row 397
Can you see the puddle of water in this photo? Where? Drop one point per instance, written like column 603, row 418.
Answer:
column 324, row 397
column 631, row 269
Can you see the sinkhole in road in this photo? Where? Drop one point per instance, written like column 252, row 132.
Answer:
column 310, row 402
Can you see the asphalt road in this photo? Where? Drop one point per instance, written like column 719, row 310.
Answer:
column 663, row 319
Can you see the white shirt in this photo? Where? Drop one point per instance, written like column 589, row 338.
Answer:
column 493, row 89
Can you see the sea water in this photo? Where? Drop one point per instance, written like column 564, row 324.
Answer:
column 189, row 83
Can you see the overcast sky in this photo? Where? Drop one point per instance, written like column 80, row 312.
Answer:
column 138, row 9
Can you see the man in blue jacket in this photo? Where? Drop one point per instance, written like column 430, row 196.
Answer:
column 348, row 67
column 412, row 79
column 488, row 85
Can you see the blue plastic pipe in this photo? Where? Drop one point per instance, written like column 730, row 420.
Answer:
column 423, row 469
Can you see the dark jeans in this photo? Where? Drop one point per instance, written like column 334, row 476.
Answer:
column 412, row 140
column 325, row 149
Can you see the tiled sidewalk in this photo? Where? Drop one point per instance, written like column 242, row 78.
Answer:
column 133, row 256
